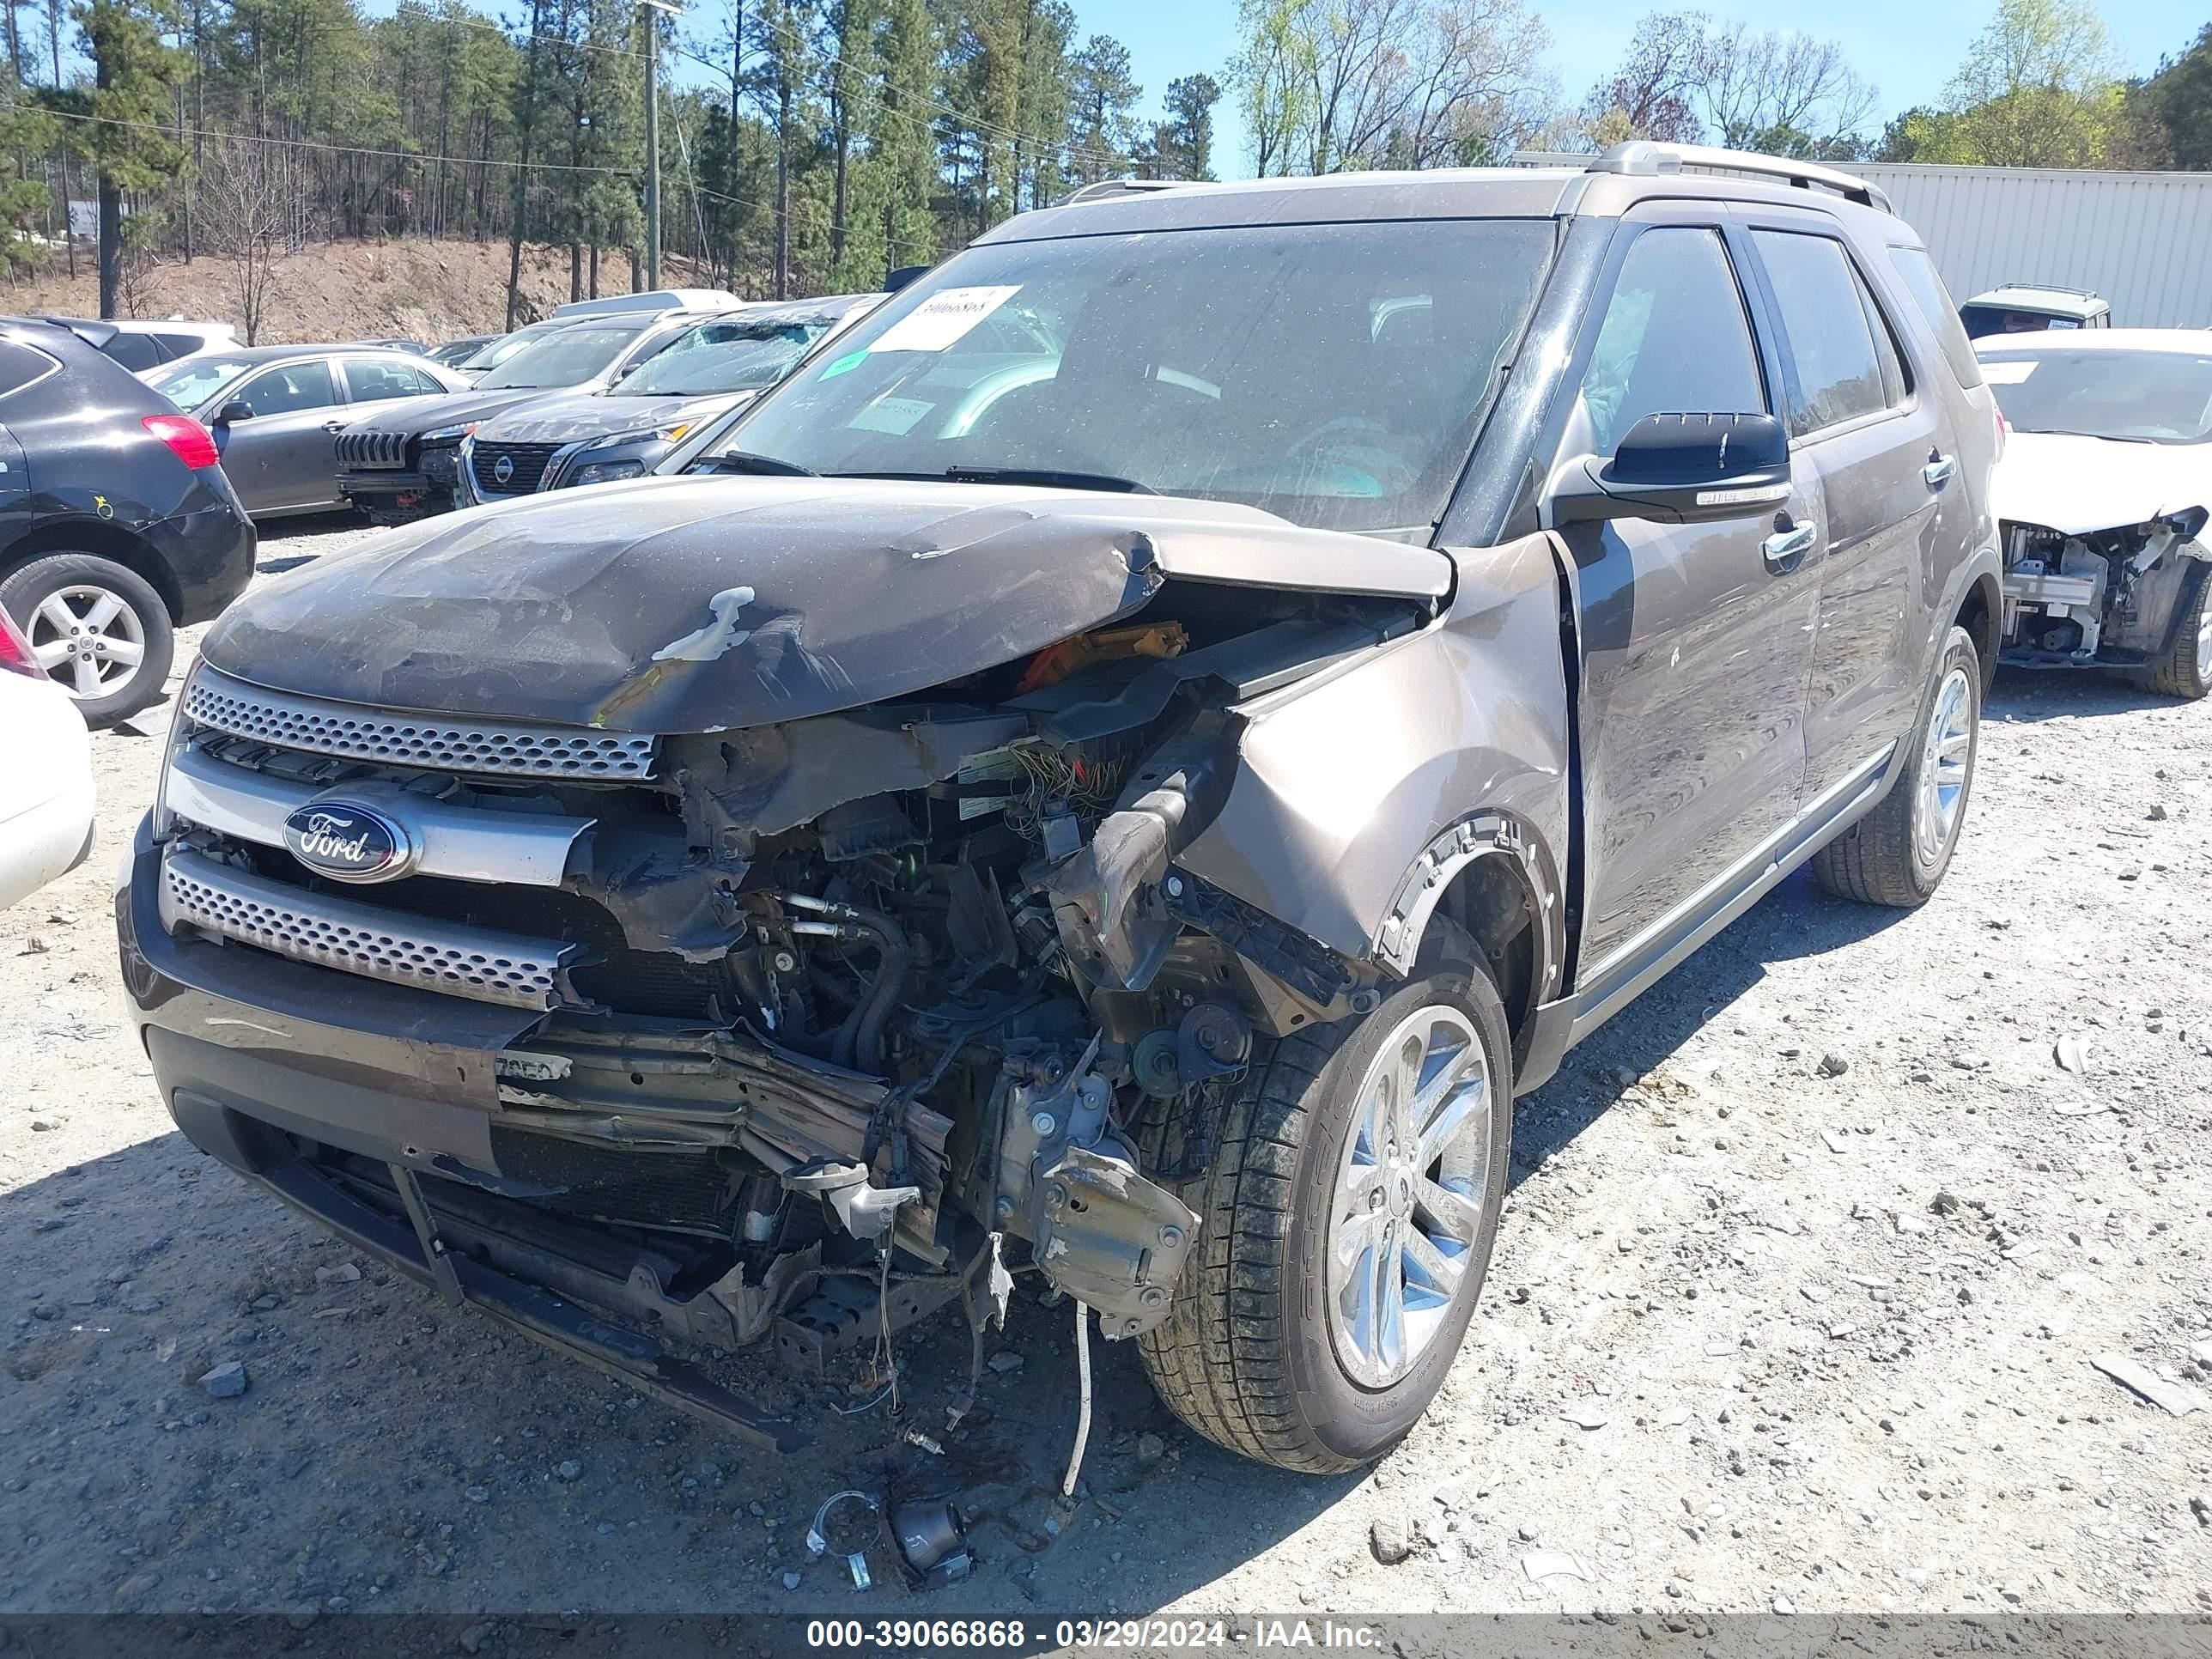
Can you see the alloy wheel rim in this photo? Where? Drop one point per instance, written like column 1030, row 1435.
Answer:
column 2204, row 641
column 1408, row 1202
column 88, row 639
column 1946, row 760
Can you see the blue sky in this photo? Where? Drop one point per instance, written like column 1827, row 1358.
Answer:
column 1907, row 47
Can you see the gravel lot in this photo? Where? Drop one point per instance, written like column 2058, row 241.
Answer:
column 1809, row 1266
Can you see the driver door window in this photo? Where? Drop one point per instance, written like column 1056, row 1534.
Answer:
column 289, row 390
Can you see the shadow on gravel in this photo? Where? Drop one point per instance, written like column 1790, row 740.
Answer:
column 2029, row 695
column 1796, row 919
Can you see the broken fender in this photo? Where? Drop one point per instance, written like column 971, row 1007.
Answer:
column 1349, row 807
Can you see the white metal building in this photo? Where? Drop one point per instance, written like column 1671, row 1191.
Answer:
column 2144, row 241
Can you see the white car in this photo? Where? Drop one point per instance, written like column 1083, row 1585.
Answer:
column 2102, row 497
column 45, row 773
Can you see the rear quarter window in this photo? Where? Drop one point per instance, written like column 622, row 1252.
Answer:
column 21, row 366
column 1917, row 272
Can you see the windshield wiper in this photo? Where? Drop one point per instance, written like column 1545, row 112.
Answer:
column 745, row 460
column 1048, row 477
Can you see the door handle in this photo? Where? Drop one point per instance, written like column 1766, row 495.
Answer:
column 1939, row 470
column 1783, row 550
column 334, row 427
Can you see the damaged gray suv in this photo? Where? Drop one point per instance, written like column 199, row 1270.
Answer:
column 1121, row 769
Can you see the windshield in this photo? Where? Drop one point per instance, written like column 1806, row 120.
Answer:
column 192, row 382
column 1333, row 374
column 725, row 357
column 2146, row 397
column 566, row 356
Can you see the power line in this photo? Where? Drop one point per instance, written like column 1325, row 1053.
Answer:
column 170, row 131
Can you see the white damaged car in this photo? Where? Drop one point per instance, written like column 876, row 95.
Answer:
column 2102, row 496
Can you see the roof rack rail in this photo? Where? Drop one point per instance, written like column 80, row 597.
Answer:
column 2049, row 288
column 1104, row 188
column 1642, row 158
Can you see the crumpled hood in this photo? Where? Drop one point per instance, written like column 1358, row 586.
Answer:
column 700, row 604
column 567, row 419
column 2075, row 484
column 414, row 415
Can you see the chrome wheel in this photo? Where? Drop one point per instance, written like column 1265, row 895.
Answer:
column 1946, row 755
column 2204, row 637
column 1407, row 1205
column 88, row 639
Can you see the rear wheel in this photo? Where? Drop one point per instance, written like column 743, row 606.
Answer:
column 2185, row 670
column 1897, row 854
column 1347, row 1224
column 97, row 626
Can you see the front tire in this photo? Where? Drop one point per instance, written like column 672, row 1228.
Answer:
column 1346, row 1219
column 2185, row 670
column 1897, row 854
column 98, row 627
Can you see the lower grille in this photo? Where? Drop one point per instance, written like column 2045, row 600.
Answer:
column 477, row 963
column 689, row 1191
column 524, row 465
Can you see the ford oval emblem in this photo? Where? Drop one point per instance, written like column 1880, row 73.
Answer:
column 348, row 841
column 503, row 468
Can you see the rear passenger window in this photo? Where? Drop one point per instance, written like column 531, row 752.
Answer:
column 372, row 381
column 1675, row 340
column 20, row 366
column 1917, row 272
column 1831, row 340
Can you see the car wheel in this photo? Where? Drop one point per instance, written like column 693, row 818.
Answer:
column 1346, row 1216
column 98, row 627
column 2185, row 670
column 1898, row 853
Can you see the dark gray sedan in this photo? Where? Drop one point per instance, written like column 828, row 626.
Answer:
column 276, row 413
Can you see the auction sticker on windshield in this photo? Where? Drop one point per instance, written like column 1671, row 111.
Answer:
column 942, row 319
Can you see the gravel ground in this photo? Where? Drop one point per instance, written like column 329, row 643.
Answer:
column 1810, row 1265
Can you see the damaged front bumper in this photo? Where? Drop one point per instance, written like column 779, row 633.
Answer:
column 564, row 1175
column 2108, row 598
column 327, row 1116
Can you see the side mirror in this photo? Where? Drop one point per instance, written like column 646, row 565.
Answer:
column 1682, row 469
column 236, row 409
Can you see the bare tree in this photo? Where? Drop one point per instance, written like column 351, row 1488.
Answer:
column 1649, row 95
column 1768, row 90
column 1331, row 85
column 252, row 213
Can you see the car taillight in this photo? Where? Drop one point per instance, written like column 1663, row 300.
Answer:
column 16, row 656
column 186, row 439
column 2004, row 430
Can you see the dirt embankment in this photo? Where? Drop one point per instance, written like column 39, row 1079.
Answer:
column 414, row 288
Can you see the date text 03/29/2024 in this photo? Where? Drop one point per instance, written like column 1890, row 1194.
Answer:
column 1017, row 1635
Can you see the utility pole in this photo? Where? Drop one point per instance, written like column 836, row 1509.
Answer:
column 653, row 136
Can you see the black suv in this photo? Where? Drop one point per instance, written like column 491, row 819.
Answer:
column 116, row 522
column 1129, row 760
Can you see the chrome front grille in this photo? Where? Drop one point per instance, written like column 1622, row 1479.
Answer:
column 525, row 466
column 475, row 963
column 372, row 450
column 503, row 748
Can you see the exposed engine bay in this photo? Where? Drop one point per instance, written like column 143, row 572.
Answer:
column 2105, row 597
